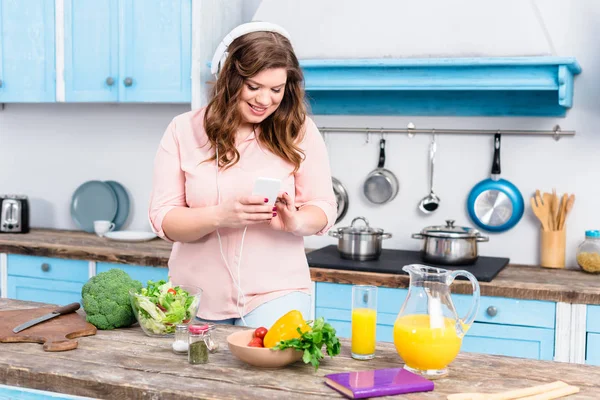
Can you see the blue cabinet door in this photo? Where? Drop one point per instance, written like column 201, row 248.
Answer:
column 91, row 50
column 44, row 279
column 137, row 272
column 508, row 340
column 44, row 291
column 592, row 355
column 27, row 61
column 155, row 51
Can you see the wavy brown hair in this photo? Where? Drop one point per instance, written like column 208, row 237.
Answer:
column 279, row 132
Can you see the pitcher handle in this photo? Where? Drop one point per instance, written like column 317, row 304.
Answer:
column 472, row 313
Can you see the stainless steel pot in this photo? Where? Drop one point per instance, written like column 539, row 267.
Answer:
column 361, row 243
column 450, row 245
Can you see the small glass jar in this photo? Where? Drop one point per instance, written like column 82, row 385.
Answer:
column 588, row 252
column 200, row 343
column 180, row 345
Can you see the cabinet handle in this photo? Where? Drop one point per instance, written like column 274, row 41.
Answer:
column 110, row 81
column 45, row 267
column 492, row 311
column 128, row 82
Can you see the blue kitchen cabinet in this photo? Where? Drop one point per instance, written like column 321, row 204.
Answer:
column 91, row 50
column 519, row 328
column 27, row 60
column 138, row 272
column 136, row 51
column 46, row 280
column 155, row 51
column 592, row 354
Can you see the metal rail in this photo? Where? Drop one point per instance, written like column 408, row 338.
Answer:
column 411, row 130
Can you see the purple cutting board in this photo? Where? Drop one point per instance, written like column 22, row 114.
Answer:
column 379, row 382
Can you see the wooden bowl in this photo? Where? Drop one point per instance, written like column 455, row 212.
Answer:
column 260, row 356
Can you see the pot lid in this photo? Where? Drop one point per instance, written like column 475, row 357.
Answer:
column 360, row 229
column 450, row 231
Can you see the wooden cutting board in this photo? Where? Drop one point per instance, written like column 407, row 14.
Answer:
column 55, row 334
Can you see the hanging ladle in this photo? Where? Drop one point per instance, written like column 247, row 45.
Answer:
column 431, row 202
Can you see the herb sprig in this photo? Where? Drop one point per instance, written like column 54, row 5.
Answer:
column 311, row 342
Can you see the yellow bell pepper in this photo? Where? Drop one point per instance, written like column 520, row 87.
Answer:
column 285, row 328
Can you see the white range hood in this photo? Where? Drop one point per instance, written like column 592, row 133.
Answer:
column 426, row 57
column 328, row 29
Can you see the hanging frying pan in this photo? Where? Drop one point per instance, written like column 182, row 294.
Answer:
column 495, row 204
column 381, row 185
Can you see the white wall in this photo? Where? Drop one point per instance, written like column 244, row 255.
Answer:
column 46, row 151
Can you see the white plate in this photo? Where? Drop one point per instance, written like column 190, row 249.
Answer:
column 130, row 236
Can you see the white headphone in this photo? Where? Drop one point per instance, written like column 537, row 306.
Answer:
column 221, row 53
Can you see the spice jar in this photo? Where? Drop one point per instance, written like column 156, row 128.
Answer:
column 180, row 345
column 200, row 343
column 588, row 252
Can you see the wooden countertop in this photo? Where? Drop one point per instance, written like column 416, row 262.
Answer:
column 126, row 364
column 514, row 281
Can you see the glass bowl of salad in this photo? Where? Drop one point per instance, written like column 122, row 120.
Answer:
column 161, row 306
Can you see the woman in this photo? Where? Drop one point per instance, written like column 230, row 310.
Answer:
column 247, row 257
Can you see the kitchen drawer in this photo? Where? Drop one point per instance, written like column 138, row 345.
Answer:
column 44, row 290
column 593, row 319
column 137, row 272
column 592, row 354
column 519, row 312
column 508, row 311
column 48, row 268
column 508, row 340
column 338, row 295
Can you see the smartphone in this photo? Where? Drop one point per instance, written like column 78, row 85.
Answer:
column 268, row 188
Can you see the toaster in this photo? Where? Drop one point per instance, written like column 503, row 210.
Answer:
column 14, row 214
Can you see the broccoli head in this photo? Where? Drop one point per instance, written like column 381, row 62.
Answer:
column 105, row 299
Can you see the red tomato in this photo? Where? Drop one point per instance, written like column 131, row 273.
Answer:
column 172, row 291
column 256, row 342
column 260, row 332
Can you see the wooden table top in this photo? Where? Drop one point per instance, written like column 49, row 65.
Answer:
column 514, row 281
column 126, row 364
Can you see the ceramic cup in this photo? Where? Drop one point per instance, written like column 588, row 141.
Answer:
column 102, row 227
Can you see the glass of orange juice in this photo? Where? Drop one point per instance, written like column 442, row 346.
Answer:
column 364, row 321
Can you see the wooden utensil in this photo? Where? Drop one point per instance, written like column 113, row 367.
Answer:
column 549, row 391
column 548, row 204
column 561, row 211
column 569, row 207
column 540, row 212
column 55, row 334
column 554, row 206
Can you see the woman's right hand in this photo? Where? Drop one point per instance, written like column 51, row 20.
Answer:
column 245, row 210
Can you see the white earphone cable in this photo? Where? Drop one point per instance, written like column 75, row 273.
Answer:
column 237, row 282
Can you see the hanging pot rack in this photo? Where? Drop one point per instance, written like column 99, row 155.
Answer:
column 412, row 130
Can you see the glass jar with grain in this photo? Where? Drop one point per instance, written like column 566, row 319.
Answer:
column 588, row 252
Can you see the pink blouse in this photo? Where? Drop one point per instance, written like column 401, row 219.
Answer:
column 273, row 263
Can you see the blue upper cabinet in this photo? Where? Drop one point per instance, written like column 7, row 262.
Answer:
column 91, row 50
column 27, row 61
column 136, row 51
column 155, row 51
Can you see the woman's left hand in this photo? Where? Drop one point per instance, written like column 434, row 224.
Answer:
column 287, row 218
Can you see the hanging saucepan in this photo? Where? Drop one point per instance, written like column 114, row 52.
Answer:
column 495, row 204
column 381, row 185
column 341, row 196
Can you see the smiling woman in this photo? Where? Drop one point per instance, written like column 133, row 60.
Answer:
column 255, row 126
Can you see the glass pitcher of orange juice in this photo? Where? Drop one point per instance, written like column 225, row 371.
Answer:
column 428, row 332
